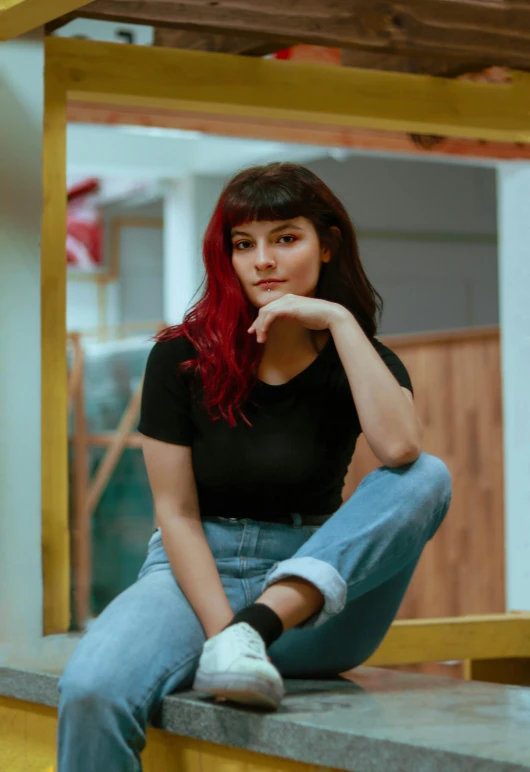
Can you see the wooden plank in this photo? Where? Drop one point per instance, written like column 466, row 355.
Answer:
column 290, row 131
column 442, row 67
column 479, row 31
column 80, row 520
column 271, row 89
column 487, row 332
column 462, row 419
column 494, row 636
column 503, row 671
column 76, row 373
column 227, row 44
column 55, row 529
column 20, row 16
column 114, row 451
column 106, row 439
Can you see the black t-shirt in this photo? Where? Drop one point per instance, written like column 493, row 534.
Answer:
column 293, row 459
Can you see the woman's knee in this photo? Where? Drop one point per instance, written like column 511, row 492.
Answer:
column 435, row 482
column 437, row 475
column 89, row 693
column 435, row 469
column 429, row 474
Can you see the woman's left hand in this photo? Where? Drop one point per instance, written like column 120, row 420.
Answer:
column 313, row 313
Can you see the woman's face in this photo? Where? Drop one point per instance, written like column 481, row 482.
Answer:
column 288, row 250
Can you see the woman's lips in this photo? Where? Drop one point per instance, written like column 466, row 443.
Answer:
column 269, row 283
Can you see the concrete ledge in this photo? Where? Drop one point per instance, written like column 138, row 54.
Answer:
column 382, row 720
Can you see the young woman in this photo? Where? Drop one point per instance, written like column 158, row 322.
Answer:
column 251, row 409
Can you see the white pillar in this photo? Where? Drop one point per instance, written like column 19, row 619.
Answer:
column 513, row 195
column 21, row 111
column 181, row 250
column 188, row 205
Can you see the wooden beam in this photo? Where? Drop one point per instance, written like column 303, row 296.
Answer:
column 417, row 65
column 54, row 379
column 290, row 131
column 508, row 671
column 270, row 89
column 20, row 16
column 221, row 44
column 484, row 32
column 492, row 636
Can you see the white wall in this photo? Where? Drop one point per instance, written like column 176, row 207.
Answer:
column 21, row 111
column 514, row 229
column 81, row 304
column 427, row 238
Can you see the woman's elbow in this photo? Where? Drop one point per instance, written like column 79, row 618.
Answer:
column 404, row 456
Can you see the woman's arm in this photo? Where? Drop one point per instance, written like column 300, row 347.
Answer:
column 386, row 411
column 172, row 481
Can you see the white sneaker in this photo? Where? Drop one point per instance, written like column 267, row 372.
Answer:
column 234, row 665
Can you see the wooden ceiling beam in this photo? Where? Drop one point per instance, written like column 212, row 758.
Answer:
column 477, row 33
column 417, row 65
column 292, row 131
column 220, row 44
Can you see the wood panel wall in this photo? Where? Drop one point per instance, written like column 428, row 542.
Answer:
column 457, row 383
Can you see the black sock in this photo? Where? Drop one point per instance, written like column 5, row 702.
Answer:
column 263, row 620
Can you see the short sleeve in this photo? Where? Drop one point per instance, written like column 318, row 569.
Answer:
column 394, row 364
column 165, row 412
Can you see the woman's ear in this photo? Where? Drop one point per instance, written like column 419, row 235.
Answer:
column 335, row 237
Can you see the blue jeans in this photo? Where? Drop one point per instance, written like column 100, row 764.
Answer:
column 148, row 641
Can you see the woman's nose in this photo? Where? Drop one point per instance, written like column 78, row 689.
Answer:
column 264, row 255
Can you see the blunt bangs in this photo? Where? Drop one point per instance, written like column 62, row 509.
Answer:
column 264, row 201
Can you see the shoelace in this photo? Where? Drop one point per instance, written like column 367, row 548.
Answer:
column 247, row 643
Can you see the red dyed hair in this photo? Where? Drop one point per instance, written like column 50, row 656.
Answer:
column 227, row 356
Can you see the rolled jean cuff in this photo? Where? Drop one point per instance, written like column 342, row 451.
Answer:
column 325, row 578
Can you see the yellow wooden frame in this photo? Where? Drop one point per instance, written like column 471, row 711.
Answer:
column 20, row 16
column 225, row 85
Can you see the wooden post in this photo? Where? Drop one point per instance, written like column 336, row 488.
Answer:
column 80, row 521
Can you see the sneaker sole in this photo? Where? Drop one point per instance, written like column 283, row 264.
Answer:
column 240, row 688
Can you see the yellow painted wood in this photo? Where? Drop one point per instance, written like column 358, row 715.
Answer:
column 494, row 636
column 54, row 459
column 499, row 671
column 312, row 93
column 27, row 736
column 20, row 16
column 28, row 744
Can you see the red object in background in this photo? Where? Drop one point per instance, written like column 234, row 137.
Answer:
column 285, row 53
column 307, row 53
column 84, row 229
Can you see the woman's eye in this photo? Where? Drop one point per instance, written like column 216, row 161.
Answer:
column 241, row 245
column 287, row 237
